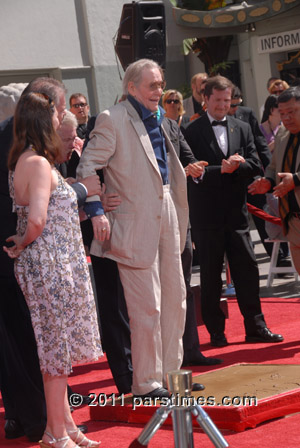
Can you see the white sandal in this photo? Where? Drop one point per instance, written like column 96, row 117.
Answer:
column 54, row 440
column 81, row 440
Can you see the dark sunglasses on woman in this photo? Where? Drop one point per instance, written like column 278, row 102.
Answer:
column 172, row 101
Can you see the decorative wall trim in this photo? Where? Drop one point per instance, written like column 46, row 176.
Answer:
column 233, row 15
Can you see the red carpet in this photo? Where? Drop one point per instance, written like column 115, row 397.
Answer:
column 282, row 316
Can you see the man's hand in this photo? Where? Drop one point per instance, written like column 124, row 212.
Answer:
column 101, row 227
column 259, row 186
column 195, row 169
column 286, row 185
column 109, row 201
column 70, row 180
column 92, row 184
column 232, row 163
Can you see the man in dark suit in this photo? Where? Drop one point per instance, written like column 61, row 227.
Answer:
column 247, row 115
column 191, row 345
column 218, row 213
column 80, row 108
column 194, row 104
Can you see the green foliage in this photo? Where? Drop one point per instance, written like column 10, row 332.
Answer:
column 187, row 45
column 186, row 90
column 219, row 68
column 200, row 5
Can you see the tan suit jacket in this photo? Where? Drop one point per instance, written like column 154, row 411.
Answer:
column 188, row 106
column 275, row 166
column 121, row 146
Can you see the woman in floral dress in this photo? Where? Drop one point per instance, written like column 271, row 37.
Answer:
column 50, row 263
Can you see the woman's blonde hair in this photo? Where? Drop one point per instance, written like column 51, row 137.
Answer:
column 167, row 95
column 278, row 83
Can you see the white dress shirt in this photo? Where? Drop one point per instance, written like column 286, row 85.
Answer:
column 221, row 134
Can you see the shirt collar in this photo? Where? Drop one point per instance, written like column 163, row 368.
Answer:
column 145, row 113
column 211, row 119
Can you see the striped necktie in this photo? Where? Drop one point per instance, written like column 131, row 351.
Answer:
column 284, row 201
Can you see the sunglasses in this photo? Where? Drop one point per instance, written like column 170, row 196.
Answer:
column 79, row 105
column 172, row 101
column 236, row 105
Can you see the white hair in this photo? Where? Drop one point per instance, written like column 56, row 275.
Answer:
column 69, row 120
column 9, row 97
column 134, row 72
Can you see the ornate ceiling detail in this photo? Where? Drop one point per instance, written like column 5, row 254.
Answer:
column 234, row 15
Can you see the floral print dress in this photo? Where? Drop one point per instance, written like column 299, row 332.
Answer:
column 54, row 277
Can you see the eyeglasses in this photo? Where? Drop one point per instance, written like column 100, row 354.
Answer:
column 236, row 105
column 79, row 105
column 157, row 85
column 277, row 92
column 172, row 101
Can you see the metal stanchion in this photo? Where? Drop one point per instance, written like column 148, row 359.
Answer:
column 180, row 386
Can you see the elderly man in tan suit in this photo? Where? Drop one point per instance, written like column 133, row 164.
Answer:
column 147, row 232
column 283, row 173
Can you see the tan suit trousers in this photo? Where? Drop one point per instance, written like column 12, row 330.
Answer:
column 156, row 304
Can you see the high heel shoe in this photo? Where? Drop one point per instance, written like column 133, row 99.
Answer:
column 81, row 440
column 53, row 440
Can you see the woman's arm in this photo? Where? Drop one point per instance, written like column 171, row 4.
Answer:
column 37, row 175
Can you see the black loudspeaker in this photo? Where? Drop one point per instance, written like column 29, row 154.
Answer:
column 142, row 33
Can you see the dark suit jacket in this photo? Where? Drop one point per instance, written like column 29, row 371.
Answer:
column 247, row 115
column 220, row 199
column 8, row 220
column 77, row 186
column 181, row 146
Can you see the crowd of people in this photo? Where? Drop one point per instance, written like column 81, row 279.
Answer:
column 171, row 176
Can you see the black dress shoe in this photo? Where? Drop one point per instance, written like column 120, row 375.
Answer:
column 218, row 340
column 86, row 399
column 264, row 335
column 160, row 392
column 200, row 360
column 35, row 436
column 197, row 386
column 13, row 429
column 284, row 262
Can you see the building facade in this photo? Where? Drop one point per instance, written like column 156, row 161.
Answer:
column 73, row 40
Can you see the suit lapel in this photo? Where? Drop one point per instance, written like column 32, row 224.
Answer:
column 298, row 158
column 284, row 141
column 231, row 134
column 142, row 134
column 172, row 156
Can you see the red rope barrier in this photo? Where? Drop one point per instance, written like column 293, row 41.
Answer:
column 263, row 215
